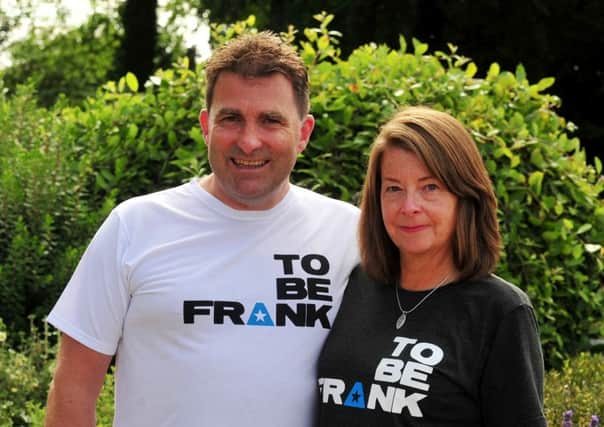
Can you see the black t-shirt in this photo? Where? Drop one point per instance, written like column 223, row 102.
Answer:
column 468, row 356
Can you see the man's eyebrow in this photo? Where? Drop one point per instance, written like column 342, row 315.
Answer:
column 273, row 115
column 227, row 111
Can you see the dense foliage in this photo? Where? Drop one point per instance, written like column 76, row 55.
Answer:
column 64, row 167
column 25, row 373
column 578, row 386
column 72, row 63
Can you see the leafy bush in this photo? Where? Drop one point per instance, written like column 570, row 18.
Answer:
column 62, row 169
column 45, row 218
column 73, row 63
column 24, row 377
column 138, row 142
column 578, row 386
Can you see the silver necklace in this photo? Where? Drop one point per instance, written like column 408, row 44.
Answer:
column 404, row 313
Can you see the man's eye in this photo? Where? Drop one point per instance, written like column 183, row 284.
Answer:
column 272, row 120
column 229, row 119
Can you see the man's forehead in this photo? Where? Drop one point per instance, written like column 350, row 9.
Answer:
column 225, row 110
column 234, row 93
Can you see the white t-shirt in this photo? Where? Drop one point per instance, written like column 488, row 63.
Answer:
column 217, row 315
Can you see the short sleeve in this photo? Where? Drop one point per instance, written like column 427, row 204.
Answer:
column 93, row 305
column 512, row 381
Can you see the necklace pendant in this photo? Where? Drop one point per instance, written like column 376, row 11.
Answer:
column 401, row 320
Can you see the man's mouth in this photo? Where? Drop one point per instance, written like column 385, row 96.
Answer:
column 249, row 164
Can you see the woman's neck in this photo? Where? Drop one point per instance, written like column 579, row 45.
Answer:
column 425, row 273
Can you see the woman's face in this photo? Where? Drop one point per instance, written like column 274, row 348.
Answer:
column 418, row 211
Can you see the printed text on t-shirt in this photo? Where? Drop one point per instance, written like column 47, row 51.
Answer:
column 401, row 380
column 312, row 286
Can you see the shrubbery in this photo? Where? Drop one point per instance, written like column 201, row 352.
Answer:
column 63, row 168
column 577, row 386
column 25, row 374
column 40, row 58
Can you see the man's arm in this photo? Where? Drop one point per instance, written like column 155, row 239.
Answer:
column 77, row 382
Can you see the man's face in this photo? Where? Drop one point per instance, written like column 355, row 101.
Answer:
column 254, row 134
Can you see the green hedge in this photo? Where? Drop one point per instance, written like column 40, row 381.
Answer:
column 577, row 386
column 62, row 169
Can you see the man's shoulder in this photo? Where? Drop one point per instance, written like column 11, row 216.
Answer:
column 158, row 206
column 167, row 196
column 322, row 201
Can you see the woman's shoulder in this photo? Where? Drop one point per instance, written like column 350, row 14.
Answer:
column 498, row 293
column 362, row 285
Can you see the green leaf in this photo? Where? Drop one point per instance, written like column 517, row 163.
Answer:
column 503, row 151
column 308, row 50
column 419, row 47
column 545, row 83
column 323, row 42
column 536, row 181
column 327, row 20
column 402, row 43
column 120, row 166
column 520, row 73
column 537, row 159
column 100, row 182
column 471, row 70
column 551, row 235
column 132, row 82
column 584, row 228
column 310, row 34
column 132, row 131
column 493, row 71
column 195, row 135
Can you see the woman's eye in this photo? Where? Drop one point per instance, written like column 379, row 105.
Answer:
column 391, row 189
column 431, row 187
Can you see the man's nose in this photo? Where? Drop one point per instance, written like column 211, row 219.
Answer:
column 249, row 139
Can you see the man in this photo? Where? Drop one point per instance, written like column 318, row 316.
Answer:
column 215, row 296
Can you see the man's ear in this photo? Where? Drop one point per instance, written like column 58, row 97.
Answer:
column 204, row 120
column 305, row 131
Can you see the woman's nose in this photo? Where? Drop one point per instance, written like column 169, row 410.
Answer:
column 410, row 202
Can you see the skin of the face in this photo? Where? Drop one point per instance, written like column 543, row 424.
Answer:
column 418, row 210
column 254, row 134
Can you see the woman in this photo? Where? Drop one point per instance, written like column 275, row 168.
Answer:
column 426, row 335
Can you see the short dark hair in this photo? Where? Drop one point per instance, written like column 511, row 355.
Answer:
column 259, row 55
column 446, row 148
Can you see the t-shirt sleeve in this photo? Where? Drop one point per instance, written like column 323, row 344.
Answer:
column 512, row 382
column 92, row 307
